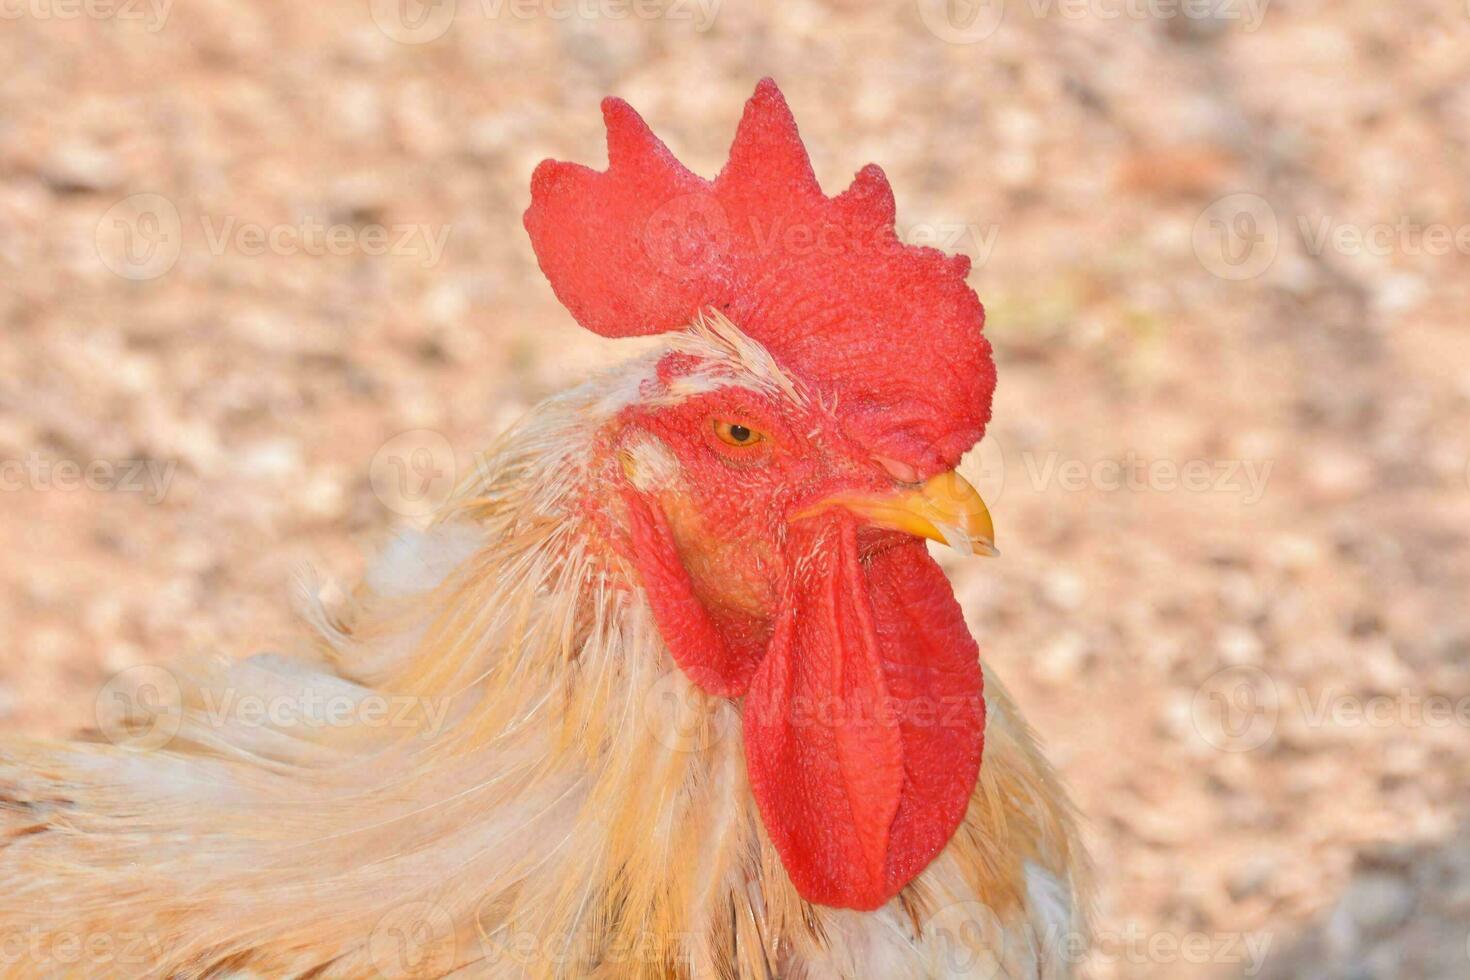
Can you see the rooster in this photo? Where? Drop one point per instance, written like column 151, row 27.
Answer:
column 670, row 688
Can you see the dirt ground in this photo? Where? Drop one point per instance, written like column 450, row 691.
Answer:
column 245, row 246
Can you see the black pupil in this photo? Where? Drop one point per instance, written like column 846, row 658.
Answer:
column 739, row 433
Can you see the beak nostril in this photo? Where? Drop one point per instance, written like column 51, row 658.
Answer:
column 898, row 469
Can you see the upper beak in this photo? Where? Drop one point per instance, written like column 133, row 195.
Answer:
column 945, row 509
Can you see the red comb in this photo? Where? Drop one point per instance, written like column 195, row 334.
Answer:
column 890, row 331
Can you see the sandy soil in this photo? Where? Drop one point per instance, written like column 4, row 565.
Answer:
column 1229, row 457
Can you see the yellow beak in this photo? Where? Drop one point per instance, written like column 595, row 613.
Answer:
column 945, row 509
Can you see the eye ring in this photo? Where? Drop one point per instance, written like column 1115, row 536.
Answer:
column 737, row 434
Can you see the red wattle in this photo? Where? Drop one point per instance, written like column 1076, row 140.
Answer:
column 864, row 725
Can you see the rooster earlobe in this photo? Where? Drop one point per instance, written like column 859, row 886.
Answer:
column 767, row 159
column 695, row 641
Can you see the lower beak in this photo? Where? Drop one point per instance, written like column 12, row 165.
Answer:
column 945, row 509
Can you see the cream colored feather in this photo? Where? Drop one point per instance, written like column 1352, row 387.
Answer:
column 517, row 783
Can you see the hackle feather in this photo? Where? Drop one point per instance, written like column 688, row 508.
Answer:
column 544, row 795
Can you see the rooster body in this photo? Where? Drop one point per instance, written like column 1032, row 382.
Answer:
column 501, row 758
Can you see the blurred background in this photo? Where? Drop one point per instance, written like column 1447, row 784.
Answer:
column 266, row 293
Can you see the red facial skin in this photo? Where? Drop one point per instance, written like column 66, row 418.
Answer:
column 862, row 702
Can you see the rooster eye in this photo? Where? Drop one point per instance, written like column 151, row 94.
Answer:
column 735, row 434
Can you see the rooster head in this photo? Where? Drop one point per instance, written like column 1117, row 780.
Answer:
column 775, row 475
